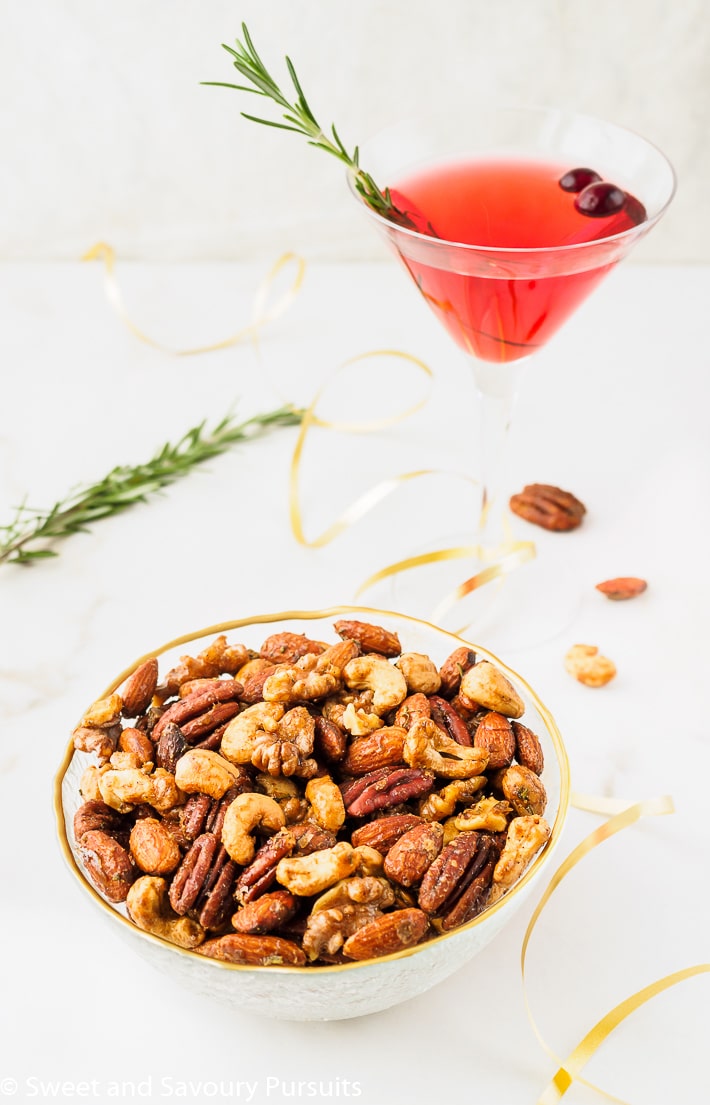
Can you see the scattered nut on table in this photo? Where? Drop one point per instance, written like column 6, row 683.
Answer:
column 311, row 803
column 548, row 506
column 622, row 588
column 586, row 664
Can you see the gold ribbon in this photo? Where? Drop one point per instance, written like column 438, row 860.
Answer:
column 375, row 494
column 261, row 313
column 623, row 815
column 507, row 557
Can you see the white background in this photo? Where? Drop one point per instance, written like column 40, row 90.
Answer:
column 106, row 132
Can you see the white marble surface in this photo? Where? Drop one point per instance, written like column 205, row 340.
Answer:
column 616, row 411
column 107, row 132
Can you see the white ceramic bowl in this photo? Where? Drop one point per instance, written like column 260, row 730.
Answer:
column 352, row 989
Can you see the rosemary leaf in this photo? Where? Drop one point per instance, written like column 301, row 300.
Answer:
column 126, row 485
column 299, row 117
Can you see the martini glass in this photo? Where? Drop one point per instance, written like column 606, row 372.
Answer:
column 512, row 216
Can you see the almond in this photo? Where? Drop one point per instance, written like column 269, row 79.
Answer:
column 392, row 932
column 384, row 748
column 623, row 587
column 139, row 688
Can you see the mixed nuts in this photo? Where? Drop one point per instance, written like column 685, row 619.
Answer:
column 309, row 803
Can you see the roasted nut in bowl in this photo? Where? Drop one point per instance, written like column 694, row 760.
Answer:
column 312, row 815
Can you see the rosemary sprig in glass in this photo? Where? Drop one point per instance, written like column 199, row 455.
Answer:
column 299, row 118
column 126, row 485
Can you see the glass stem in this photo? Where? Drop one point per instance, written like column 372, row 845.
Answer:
column 497, row 388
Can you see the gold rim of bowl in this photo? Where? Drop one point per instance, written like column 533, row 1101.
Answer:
column 315, row 615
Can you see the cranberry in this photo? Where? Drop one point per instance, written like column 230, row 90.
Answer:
column 635, row 210
column 577, row 179
column 600, row 199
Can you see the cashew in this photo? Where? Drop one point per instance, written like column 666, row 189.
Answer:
column 244, row 814
column 327, row 803
column 586, row 664
column 149, row 907
column 124, row 788
column 199, row 771
column 368, row 861
column 486, row 685
column 239, row 738
column 307, row 875
column 89, row 784
column 423, row 747
column 420, row 672
column 124, row 760
column 375, row 673
column 526, row 835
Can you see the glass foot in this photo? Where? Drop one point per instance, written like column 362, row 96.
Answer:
column 528, row 603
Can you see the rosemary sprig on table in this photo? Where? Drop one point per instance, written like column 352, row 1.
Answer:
column 126, row 485
column 299, row 118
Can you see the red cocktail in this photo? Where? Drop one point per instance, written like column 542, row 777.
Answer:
column 510, row 218
column 499, row 204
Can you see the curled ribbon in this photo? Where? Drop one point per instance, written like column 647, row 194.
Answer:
column 507, row 557
column 379, row 491
column 623, row 815
column 261, row 313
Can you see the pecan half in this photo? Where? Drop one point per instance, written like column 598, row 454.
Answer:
column 454, row 888
column 204, row 882
column 199, row 702
column 392, row 932
column 384, row 788
column 301, row 840
column 548, row 506
column 447, row 718
column 213, row 718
